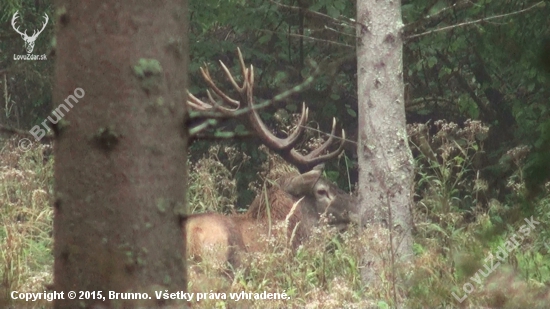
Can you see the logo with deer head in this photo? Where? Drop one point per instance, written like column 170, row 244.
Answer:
column 29, row 40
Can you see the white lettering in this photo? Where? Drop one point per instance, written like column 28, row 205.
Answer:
column 37, row 132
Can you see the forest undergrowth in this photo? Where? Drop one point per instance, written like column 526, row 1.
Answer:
column 480, row 242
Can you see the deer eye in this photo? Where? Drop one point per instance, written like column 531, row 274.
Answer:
column 322, row 192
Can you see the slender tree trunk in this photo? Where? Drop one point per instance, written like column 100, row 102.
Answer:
column 385, row 160
column 120, row 151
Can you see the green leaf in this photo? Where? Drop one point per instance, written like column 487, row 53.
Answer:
column 240, row 129
column 265, row 38
column 382, row 305
column 316, row 6
column 332, row 175
column 333, row 12
column 291, row 108
column 329, row 110
column 266, row 116
column 340, row 5
column 279, row 77
column 432, row 61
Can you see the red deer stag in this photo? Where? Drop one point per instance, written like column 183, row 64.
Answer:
column 223, row 238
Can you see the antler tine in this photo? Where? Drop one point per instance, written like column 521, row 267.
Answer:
column 225, row 110
column 212, row 85
column 196, row 103
column 293, row 137
column 279, row 145
column 34, row 33
column 232, row 80
column 306, row 162
column 336, row 152
column 46, row 22
column 13, row 19
column 243, row 66
column 327, row 143
column 251, row 82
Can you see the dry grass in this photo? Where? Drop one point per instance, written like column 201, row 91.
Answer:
column 322, row 273
column 25, row 219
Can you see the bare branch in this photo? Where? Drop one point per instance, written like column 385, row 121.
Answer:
column 477, row 21
column 311, row 38
column 22, row 133
column 312, row 13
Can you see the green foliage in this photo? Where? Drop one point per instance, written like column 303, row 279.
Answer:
column 457, row 235
column 446, row 166
column 8, row 8
column 537, row 167
column 483, row 71
column 211, row 185
column 26, row 89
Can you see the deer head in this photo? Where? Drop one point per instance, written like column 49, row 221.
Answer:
column 29, row 40
column 322, row 197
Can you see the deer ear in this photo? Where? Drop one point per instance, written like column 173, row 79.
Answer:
column 319, row 167
column 303, row 184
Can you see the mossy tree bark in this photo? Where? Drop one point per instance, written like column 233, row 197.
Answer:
column 120, row 150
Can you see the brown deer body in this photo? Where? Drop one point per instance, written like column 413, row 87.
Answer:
column 214, row 237
column 225, row 237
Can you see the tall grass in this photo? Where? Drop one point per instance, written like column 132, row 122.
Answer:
column 457, row 226
column 26, row 243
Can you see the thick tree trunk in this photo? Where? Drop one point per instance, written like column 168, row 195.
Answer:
column 385, row 160
column 120, row 151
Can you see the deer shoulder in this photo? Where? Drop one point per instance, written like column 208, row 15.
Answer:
column 214, row 237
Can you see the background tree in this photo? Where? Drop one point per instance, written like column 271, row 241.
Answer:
column 120, row 171
column 384, row 158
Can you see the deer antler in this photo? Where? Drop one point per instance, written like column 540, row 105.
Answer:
column 282, row 146
column 29, row 40
column 24, row 34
